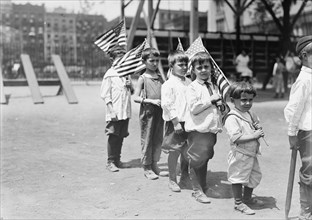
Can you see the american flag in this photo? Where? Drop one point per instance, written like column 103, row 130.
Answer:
column 180, row 47
column 116, row 35
column 131, row 62
column 218, row 77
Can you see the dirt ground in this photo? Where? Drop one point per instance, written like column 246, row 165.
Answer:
column 53, row 159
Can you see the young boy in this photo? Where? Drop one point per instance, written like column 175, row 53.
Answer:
column 116, row 93
column 202, row 124
column 147, row 93
column 244, row 131
column 173, row 103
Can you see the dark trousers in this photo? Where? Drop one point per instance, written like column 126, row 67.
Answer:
column 114, row 145
column 152, row 125
column 116, row 132
column 305, row 174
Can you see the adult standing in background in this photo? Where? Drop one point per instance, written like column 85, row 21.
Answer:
column 298, row 114
column 243, row 72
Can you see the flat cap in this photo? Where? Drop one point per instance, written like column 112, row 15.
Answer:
column 302, row 42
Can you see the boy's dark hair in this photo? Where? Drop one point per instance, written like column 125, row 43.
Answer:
column 237, row 88
column 146, row 53
column 201, row 57
column 177, row 56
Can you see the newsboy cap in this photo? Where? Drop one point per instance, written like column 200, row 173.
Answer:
column 302, row 42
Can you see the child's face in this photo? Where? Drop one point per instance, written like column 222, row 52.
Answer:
column 179, row 68
column 244, row 103
column 202, row 70
column 151, row 63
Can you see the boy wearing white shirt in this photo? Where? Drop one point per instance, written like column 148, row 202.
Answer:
column 298, row 115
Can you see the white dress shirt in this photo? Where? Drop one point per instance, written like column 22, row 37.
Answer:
column 113, row 90
column 173, row 98
column 298, row 110
column 202, row 115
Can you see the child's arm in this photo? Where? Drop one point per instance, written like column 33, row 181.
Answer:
column 106, row 95
column 248, row 137
column 197, row 105
column 234, row 130
column 139, row 90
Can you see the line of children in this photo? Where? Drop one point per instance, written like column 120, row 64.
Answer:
column 148, row 94
column 192, row 122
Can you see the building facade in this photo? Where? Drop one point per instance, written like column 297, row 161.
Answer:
column 60, row 36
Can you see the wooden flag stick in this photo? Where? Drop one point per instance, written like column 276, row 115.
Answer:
column 214, row 62
column 290, row 185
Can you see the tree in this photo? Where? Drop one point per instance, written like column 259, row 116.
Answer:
column 284, row 24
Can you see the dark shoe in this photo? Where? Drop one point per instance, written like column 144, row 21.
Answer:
column 150, row 175
column 122, row 165
column 174, row 186
column 243, row 208
column 200, row 197
column 282, row 96
column 253, row 201
column 275, row 96
column 305, row 214
column 112, row 167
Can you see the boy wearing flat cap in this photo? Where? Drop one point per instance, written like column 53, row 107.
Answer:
column 298, row 114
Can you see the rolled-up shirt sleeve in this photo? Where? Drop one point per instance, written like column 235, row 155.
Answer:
column 106, row 90
column 295, row 106
column 167, row 102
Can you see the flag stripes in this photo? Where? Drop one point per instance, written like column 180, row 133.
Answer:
column 131, row 62
column 222, row 84
column 110, row 38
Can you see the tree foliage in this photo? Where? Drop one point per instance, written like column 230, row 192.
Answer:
column 284, row 22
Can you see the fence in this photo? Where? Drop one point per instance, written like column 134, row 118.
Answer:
column 90, row 63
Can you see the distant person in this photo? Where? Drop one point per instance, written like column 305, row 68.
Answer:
column 116, row 93
column 269, row 75
column 298, row 114
column 148, row 94
column 244, row 73
column 173, row 103
column 290, row 67
column 278, row 77
column 244, row 132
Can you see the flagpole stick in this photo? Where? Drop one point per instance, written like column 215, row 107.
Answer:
column 214, row 62
column 290, row 184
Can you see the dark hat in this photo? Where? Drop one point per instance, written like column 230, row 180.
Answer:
column 302, row 42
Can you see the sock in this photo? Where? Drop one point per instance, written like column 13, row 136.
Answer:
column 237, row 193
column 247, row 193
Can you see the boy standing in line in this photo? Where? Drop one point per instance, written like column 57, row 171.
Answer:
column 173, row 103
column 244, row 132
column 116, row 93
column 202, row 124
column 148, row 93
